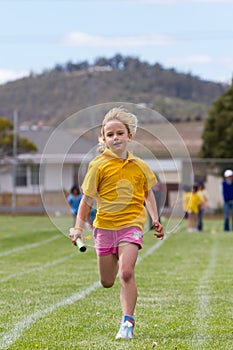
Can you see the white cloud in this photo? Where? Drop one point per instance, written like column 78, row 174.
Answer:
column 155, row 1
column 191, row 59
column 216, row 1
column 84, row 39
column 7, row 75
column 219, row 66
column 225, row 61
column 179, row 1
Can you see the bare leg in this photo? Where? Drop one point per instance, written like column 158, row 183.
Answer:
column 195, row 221
column 108, row 268
column 128, row 253
column 190, row 221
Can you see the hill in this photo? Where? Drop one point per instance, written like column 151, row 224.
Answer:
column 55, row 94
column 189, row 132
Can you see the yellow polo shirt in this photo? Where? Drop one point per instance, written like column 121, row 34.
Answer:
column 119, row 187
column 186, row 200
column 194, row 202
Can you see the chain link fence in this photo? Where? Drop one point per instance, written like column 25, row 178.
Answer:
column 24, row 195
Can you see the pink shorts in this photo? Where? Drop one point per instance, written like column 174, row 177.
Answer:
column 107, row 241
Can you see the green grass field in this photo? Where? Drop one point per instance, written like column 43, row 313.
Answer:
column 51, row 298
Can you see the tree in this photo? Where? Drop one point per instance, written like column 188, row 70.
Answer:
column 6, row 140
column 218, row 131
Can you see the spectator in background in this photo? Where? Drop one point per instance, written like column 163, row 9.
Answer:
column 73, row 200
column 186, row 198
column 193, row 206
column 227, row 191
column 202, row 193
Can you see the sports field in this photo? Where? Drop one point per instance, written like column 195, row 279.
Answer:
column 51, row 298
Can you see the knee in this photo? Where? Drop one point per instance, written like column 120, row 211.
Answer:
column 126, row 276
column 106, row 283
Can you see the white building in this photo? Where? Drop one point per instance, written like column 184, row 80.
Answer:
column 43, row 179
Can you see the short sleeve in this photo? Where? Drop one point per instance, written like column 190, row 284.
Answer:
column 90, row 183
column 150, row 178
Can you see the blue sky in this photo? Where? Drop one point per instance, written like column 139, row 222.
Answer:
column 194, row 36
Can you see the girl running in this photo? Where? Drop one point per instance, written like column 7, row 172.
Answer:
column 120, row 184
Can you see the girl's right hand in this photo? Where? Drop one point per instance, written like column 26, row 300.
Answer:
column 75, row 233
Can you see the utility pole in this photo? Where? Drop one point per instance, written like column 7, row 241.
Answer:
column 91, row 88
column 14, row 169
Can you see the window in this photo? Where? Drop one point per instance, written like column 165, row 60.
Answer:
column 27, row 175
column 21, row 175
column 35, row 174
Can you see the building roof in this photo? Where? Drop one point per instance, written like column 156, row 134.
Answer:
column 55, row 141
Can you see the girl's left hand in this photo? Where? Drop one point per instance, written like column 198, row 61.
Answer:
column 159, row 230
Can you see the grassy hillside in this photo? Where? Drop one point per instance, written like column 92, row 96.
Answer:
column 187, row 133
column 56, row 94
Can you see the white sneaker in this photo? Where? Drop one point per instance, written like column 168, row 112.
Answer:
column 125, row 331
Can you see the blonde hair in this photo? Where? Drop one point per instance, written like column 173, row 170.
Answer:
column 122, row 115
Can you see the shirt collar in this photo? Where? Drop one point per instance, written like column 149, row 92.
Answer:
column 109, row 153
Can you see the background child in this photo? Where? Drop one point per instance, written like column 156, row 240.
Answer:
column 186, row 198
column 227, row 192
column 193, row 207
column 121, row 184
column 74, row 200
column 203, row 193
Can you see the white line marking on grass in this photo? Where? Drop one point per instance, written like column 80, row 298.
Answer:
column 151, row 250
column 15, row 333
column 200, row 322
column 13, row 231
column 29, row 246
column 39, row 268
